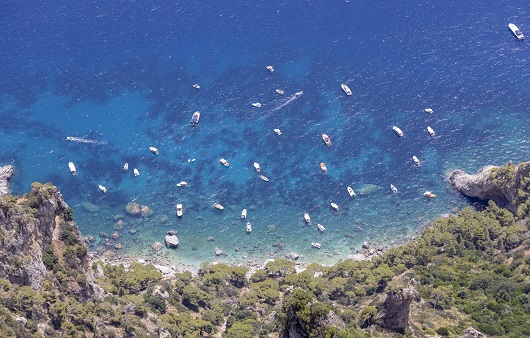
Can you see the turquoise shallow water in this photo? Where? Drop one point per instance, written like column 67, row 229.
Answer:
column 128, row 87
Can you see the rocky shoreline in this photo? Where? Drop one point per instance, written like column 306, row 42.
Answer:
column 6, row 173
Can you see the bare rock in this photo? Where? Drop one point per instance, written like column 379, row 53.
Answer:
column 218, row 252
column 21, row 320
column 294, row 256
column 366, row 245
column 471, row 332
column 172, row 241
column 6, row 173
column 133, row 209
column 157, row 246
column 396, row 313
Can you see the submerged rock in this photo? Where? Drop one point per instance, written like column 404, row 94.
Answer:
column 157, row 246
column 133, row 209
column 90, row 207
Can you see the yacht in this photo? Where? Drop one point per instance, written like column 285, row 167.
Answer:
column 351, row 192
column 218, row 206
column 244, row 214
column 431, row 131
column 182, row 184
column 428, row 110
column 136, row 172
column 195, row 118
column 429, row 194
column 263, row 177
column 224, row 162
column 316, row 245
column 346, row 89
column 279, row 91
column 249, row 227
column 196, row 86
column 298, row 94
column 257, row 167
column 398, row 131
column 72, row 168
column 326, row 140
column 270, row 69
column 278, row 131
column 256, row 104
column 153, row 150
column 102, row 188
column 126, row 167
column 307, row 219
column 516, row 31
column 394, row 189
column 323, row 167
column 179, row 210
column 320, row 227
column 416, row 160
column 334, row 206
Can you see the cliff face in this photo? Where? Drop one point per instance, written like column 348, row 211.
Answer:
column 5, row 175
column 396, row 309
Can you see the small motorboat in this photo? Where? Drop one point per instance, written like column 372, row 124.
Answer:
column 316, row 245
column 265, row 178
column 257, row 167
column 126, row 167
column 350, row 191
column 346, row 89
column 249, row 227
column 244, row 214
column 326, row 140
column 179, row 210
column 307, row 219
column 102, row 188
column 428, row 110
column 416, row 160
column 394, row 189
column 218, row 206
column 279, row 91
column 516, row 31
column 334, row 206
column 278, row 132
column 153, row 150
column 136, row 172
column 182, row 184
column 429, row 194
column 191, row 160
column 321, row 227
column 323, row 167
column 72, row 168
column 298, row 94
column 256, row 104
column 195, row 118
column 196, row 86
column 431, row 131
column 398, row 131
column 270, row 69
column 224, row 162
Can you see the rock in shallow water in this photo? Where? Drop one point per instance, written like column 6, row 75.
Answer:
column 157, row 246
column 172, row 241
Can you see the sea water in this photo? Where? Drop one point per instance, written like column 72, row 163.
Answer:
column 120, row 76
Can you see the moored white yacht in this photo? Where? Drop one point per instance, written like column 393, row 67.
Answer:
column 350, row 191
column 307, row 219
column 397, row 131
column 102, row 188
column 320, row 227
column 346, row 89
column 316, row 245
column 249, row 227
column 72, row 168
column 428, row 110
column 263, row 177
column 136, row 172
column 516, row 31
column 270, row 69
column 224, row 162
column 334, row 206
column 182, row 184
column 323, row 167
column 394, row 189
column 179, row 210
column 218, row 206
column 195, row 118
column 196, row 86
column 416, row 160
column 431, row 131
column 126, row 167
column 280, row 91
column 429, row 194
column 257, row 167
column 278, row 131
column 256, row 104
column 244, row 214
column 326, row 140
column 153, row 150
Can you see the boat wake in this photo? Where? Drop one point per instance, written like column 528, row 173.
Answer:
column 85, row 140
column 287, row 101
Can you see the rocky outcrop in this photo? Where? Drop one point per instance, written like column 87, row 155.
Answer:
column 5, row 175
column 396, row 309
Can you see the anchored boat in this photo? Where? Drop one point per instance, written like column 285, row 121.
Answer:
column 102, row 188
column 244, row 214
column 350, row 191
column 323, row 167
column 72, row 168
column 398, row 131
column 256, row 104
column 431, row 131
column 320, row 227
column 316, row 245
column 428, row 110
column 346, row 89
column 270, row 69
column 334, row 206
column 195, row 118
column 516, row 31
column 307, row 219
column 263, row 177
column 278, row 132
column 153, row 150
column 249, row 227
column 218, row 206
column 182, row 184
column 326, row 140
column 126, row 167
column 257, row 167
column 429, row 194
column 394, row 189
column 416, row 160
column 179, row 210
column 136, row 172
column 224, row 162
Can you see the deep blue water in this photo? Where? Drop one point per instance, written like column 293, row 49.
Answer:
column 121, row 74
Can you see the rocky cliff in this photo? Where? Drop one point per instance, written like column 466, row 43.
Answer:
column 396, row 309
column 5, row 175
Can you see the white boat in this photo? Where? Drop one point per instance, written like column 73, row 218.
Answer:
column 398, row 131
column 126, row 167
column 102, row 188
column 326, row 140
column 136, row 172
column 350, row 191
column 153, row 150
column 224, row 162
column 516, row 31
column 244, row 214
column 196, row 86
column 416, row 160
column 278, row 132
column 346, row 89
column 323, row 167
column 394, row 189
column 182, row 184
column 72, row 168
column 249, row 227
column 279, row 91
column 428, row 110
column 179, row 210
column 307, row 219
column 431, row 131
column 256, row 104
column 218, row 206
column 298, row 94
column 195, row 118
column 334, row 206
column 320, row 227
column 270, row 69
column 316, row 245
column 265, row 178
column 429, row 194
column 257, row 167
